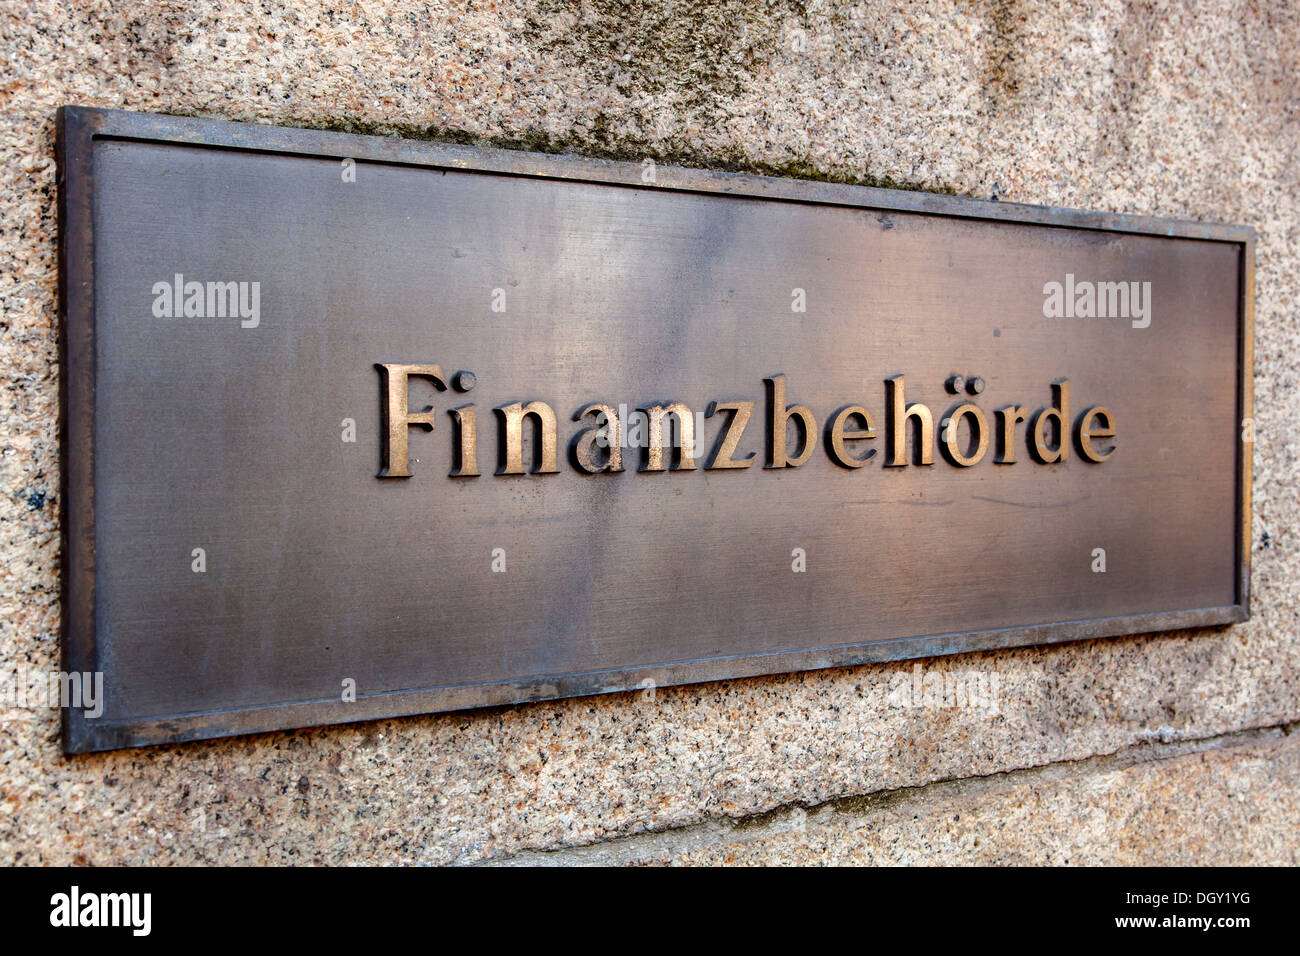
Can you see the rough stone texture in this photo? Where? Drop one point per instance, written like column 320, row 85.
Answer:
column 1233, row 806
column 1161, row 108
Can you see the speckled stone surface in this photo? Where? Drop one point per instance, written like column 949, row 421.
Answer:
column 1170, row 109
column 1218, row 807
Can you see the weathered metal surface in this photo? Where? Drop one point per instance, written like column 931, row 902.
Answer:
column 520, row 297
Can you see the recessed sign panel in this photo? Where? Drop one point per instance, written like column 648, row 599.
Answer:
column 357, row 427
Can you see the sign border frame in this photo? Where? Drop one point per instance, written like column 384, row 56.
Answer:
column 78, row 127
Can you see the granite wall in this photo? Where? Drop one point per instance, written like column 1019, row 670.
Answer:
column 1175, row 748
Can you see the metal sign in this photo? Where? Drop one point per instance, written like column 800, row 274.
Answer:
column 357, row 427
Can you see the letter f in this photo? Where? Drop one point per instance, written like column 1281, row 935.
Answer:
column 394, row 401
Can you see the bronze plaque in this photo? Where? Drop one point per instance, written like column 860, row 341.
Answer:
column 357, row 427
